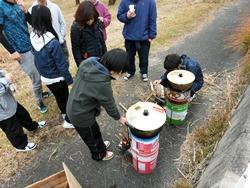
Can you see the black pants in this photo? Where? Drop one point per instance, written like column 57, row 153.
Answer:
column 12, row 127
column 93, row 139
column 61, row 92
column 142, row 47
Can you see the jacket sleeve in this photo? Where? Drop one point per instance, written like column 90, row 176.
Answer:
column 106, row 99
column 4, row 41
column 198, row 82
column 122, row 13
column 164, row 80
column 106, row 16
column 61, row 63
column 75, row 44
column 62, row 24
column 152, row 20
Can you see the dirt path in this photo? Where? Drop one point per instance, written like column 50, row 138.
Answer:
column 209, row 47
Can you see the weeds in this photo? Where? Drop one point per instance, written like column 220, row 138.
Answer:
column 201, row 144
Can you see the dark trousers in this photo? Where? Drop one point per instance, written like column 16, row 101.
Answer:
column 61, row 92
column 12, row 127
column 93, row 139
column 142, row 47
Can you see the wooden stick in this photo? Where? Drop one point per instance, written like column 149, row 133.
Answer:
column 123, row 107
column 151, row 95
column 152, row 87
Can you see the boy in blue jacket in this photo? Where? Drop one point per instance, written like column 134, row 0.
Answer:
column 174, row 61
column 139, row 18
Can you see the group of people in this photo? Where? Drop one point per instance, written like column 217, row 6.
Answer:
column 43, row 56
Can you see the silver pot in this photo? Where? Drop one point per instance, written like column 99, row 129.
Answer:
column 180, row 80
column 145, row 119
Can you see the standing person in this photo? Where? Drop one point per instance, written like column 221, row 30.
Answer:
column 86, row 36
column 13, row 116
column 14, row 36
column 49, row 58
column 104, row 16
column 91, row 90
column 139, row 18
column 58, row 22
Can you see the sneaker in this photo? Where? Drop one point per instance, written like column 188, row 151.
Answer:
column 67, row 125
column 63, row 116
column 192, row 98
column 47, row 94
column 41, row 124
column 107, row 143
column 109, row 155
column 30, row 146
column 128, row 76
column 144, row 77
column 42, row 108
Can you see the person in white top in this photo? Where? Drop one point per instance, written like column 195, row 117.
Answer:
column 58, row 22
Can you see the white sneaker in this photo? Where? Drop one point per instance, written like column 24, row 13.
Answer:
column 41, row 124
column 128, row 76
column 109, row 155
column 67, row 125
column 30, row 146
column 107, row 143
column 63, row 116
column 144, row 77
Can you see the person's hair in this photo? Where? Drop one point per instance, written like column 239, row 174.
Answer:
column 41, row 20
column 86, row 11
column 115, row 60
column 172, row 61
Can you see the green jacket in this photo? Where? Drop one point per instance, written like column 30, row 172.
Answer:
column 91, row 90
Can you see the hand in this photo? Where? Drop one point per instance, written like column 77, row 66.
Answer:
column 100, row 18
column 156, row 82
column 21, row 4
column 131, row 14
column 150, row 40
column 122, row 120
column 16, row 56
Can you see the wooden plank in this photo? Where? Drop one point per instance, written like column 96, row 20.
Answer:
column 72, row 181
column 57, row 180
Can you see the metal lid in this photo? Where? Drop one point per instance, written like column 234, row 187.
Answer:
column 146, row 116
column 181, row 77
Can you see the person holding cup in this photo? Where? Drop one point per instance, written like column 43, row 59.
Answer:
column 139, row 18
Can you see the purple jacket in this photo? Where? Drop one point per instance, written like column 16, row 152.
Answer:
column 103, row 12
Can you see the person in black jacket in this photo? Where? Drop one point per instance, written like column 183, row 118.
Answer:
column 91, row 90
column 86, row 34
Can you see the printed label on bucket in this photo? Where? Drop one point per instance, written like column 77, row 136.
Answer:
column 176, row 115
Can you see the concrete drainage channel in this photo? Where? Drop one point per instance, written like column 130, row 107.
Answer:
column 230, row 164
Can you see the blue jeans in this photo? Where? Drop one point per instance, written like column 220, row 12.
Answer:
column 142, row 47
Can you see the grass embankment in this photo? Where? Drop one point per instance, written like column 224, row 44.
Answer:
column 202, row 143
column 175, row 19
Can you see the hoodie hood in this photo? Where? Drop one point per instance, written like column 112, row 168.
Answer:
column 92, row 70
column 39, row 42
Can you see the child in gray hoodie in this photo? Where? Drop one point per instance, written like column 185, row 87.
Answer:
column 13, row 116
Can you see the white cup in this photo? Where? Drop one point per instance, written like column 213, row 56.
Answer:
column 131, row 8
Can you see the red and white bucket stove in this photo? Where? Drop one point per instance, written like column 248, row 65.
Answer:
column 145, row 152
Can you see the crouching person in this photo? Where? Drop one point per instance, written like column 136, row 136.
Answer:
column 91, row 90
column 173, row 62
column 13, row 116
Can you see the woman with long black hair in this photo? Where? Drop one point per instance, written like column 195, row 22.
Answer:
column 49, row 58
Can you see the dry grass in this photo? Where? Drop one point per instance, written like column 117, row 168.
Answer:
column 201, row 144
column 175, row 19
